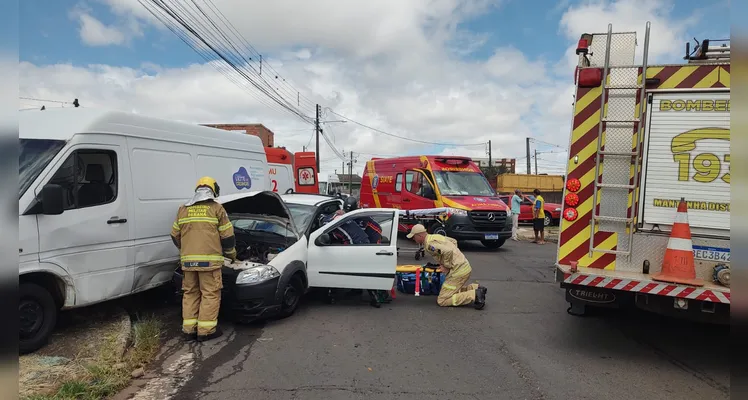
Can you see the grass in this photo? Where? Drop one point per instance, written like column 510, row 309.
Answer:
column 109, row 373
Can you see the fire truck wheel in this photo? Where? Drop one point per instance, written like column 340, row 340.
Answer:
column 493, row 244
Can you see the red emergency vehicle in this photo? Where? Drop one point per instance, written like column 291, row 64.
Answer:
column 291, row 171
column 423, row 182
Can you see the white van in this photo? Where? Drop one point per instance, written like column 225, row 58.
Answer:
column 99, row 191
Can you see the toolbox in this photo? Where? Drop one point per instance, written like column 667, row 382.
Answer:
column 431, row 282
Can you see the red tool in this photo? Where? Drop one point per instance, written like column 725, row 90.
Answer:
column 418, row 282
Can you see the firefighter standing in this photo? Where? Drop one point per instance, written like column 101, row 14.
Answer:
column 204, row 235
column 451, row 261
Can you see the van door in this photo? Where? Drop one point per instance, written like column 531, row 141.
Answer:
column 91, row 239
column 418, row 192
column 355, row 266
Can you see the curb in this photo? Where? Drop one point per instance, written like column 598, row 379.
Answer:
column 124, row 337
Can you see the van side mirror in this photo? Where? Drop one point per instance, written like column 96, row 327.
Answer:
column 323, row 240
column 52, row 199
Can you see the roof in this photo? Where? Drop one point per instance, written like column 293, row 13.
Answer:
column 306, row 199
column 346, row 178
column 65, row 123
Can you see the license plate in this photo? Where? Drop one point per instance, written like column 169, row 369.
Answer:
column 711, row 253
column 492, row 236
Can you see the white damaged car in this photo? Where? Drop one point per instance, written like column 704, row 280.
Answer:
column 283, row 251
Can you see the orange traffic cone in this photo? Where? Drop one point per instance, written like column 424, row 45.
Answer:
column 678, row 264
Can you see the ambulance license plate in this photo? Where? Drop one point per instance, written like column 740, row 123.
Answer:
column 492, row 236
column 711, row 253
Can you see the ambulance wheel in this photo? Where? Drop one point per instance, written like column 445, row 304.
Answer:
column 493, row 244
column 37, row 314
column 437, row 229
column 291, row 297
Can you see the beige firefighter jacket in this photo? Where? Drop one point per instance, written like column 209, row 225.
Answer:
column 445, row 252
column 204, row 235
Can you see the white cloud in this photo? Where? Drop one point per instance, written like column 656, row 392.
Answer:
column 388, row 64
column 95, row 33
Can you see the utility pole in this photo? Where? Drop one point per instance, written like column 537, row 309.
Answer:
column 317, row 131
column 527, row 143
column 350, row 175
column 490, row 163
column 536, row 161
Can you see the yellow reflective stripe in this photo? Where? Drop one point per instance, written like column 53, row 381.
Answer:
column 207, row 324
column 190, row 220
column 202, row 257
column 189, row 322
column 224, row 227
column 449, row 286
column 175, row 226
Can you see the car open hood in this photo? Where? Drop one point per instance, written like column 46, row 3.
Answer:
column 267, row 204
column 475, row 202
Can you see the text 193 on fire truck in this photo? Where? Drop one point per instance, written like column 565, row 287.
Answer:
column 639, row 147
column 291, row 171
column 475, row 211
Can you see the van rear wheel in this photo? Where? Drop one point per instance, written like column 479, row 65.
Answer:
column 493, row 244
column 37, row 314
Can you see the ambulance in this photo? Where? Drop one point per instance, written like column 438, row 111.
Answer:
column 288, row 171
column 649, row 149
column 475, row 211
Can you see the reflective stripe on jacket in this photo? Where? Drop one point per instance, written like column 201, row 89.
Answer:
column 445, row 252
column 204, row 235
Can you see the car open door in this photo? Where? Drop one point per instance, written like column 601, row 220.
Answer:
column 354, row 266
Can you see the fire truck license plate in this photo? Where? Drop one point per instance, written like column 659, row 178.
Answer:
column 711, row 253
column 492, row 236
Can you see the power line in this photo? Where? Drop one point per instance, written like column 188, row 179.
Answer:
column 403, row 137
column 46, row 100
column 546, row 143
column 218, row 43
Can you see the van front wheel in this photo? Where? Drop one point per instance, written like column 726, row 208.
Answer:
column 493, row 244
column 37, row 312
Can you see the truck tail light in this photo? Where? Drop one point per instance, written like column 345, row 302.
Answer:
column 570, row 214
column 571, row 199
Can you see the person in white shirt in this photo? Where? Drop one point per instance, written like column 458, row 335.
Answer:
column 516, row 202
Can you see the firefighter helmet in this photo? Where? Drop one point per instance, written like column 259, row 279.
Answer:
column 209, row 182
column 350, row 204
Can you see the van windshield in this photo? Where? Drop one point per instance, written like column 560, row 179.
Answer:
column 463, row 184
column 34, row 156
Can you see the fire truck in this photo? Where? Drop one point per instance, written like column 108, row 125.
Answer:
column 643, row 138
column 289, row 171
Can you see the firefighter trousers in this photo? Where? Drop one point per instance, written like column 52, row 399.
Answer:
column 201, row 301
column 454, row 293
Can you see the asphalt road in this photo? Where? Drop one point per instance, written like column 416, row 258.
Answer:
column 522, row 345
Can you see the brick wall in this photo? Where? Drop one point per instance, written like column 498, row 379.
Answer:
column 266, row 135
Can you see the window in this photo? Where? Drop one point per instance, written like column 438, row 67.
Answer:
column 409, row 176
column 88, row 178
column 34, row 157
column 398, row 182
column 344, row 229
column 419, row 185
column 463, row 184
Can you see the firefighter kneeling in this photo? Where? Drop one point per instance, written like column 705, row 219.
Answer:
column 204, row 235
column 452, row 262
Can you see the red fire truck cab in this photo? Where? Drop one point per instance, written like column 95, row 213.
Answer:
column 291, row 171
column 456, row 183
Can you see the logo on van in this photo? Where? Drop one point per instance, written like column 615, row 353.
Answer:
column 242, row 179
column 375, row 181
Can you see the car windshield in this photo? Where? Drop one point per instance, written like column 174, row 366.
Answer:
column 34, row 156
column 463, row 184
column 302, row 215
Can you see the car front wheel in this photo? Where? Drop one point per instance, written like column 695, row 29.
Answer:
column 38, row 315
column 291, row 296
column 547, row 221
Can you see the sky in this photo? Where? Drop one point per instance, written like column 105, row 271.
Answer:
column 452, row 73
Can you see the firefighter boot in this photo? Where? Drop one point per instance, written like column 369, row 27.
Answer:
column 480, row 297
column 215, row 334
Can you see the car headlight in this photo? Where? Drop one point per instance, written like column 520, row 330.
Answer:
column 457, row 211
column 260, row 273
column 557, row 209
